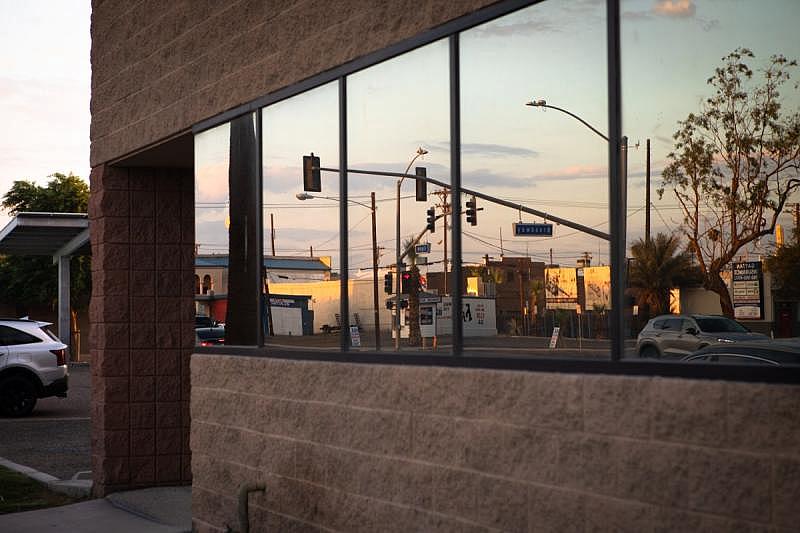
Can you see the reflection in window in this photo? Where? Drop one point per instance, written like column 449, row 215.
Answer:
column 530, row 285
column 398, row 124
column 698, row 47
column 301, row 262
column 226, row 175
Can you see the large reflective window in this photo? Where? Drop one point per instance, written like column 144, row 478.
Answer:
column 301, row 287
column 398, row 121
column 226, row 270
column 534, row 286
column 714, row 140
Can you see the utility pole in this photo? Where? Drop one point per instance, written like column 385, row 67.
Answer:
column 375, row 277
column 647, row 198
column 443, row 195
column 272, row 231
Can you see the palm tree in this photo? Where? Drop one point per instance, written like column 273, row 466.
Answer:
column 414, row 336
column 659, row 265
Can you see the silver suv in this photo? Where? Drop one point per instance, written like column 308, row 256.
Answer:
column 33, row 365
column 680, row 335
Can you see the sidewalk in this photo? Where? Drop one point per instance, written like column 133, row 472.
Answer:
column 154, row 510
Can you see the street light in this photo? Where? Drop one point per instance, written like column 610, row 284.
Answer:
column 420, row 152
column 306, row 196
column 618, row 197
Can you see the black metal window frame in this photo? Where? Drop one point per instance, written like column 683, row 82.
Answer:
column 615, row 364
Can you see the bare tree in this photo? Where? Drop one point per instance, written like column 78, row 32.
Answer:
column 735, row 164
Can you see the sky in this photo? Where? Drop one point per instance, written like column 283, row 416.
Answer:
column 45, row 80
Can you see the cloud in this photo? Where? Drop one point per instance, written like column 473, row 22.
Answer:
column 483, row 177
column 527, row 27
column 483, row 149
column 675, row 8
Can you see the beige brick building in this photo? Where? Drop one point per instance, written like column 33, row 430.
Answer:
column 354, row 436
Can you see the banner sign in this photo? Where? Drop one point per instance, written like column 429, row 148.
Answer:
column 748, row 290
column 561, row 288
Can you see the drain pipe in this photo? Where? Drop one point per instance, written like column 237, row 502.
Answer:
column 244, row 493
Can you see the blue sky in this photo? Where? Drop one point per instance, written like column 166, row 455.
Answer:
column 44, row 90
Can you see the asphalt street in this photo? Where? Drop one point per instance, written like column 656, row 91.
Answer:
column 55, row 439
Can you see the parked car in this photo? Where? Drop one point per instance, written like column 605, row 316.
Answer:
column 203, row 321
column 680, row 335
column 33, row 365
column 210, row 336
column 752, row 353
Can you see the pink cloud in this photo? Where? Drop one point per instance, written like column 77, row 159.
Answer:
column 675, row 8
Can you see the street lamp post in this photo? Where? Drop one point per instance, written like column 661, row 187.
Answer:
column 618, row 198
column 306, row 196
column 420, row 152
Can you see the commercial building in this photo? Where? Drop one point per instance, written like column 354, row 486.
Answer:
column 202, row 113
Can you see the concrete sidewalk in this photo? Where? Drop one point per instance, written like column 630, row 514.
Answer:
column 154, row 510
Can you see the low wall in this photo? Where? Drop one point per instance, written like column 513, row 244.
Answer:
column 352, row 447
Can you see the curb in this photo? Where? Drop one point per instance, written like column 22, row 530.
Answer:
column 77, row 488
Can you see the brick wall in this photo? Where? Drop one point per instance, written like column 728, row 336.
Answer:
column 385, row 448
column 142, row 234
column 160, row 67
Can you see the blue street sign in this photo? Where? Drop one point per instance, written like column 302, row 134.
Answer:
column 423, row 248
column 524, row 229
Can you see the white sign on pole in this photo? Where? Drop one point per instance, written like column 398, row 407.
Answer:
column 554, row 337
column 355, row 337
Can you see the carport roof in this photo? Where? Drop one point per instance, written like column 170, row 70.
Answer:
column 53, row 234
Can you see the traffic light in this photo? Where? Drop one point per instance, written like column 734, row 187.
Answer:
column 311, row 179
column 472, row 212
column 389, row 304
column 432, row 220
column 422, row 185
column 387, row 283
column 405, row 282
column 403, row 304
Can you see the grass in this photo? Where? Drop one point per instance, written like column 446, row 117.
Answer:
column 21, row 493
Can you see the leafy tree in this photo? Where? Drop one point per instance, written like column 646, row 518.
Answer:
column 33, row 280
column 735, row 164
column 659, row 265
column 784, row 265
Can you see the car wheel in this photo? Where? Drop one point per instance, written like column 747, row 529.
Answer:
column 649, row 352
column 17, row 396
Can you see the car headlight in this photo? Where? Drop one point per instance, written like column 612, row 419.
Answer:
column 725, row 340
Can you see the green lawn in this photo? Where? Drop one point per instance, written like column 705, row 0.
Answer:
column 20, row 493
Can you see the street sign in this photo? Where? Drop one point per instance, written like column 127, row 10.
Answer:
column 532, row 229
column 423, row 248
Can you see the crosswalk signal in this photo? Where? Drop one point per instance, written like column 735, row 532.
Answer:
column 387, row 283
column 432, row 220
column 472, row 212
column 311, row 178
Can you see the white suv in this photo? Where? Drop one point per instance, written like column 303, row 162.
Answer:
column 33, row 364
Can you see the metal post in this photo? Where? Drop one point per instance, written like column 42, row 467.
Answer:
column 63, row 304
column 397, row 273
column 375, row 276
column 647, row 198
column 344, row 260
column 617, row 153
column 455, row 169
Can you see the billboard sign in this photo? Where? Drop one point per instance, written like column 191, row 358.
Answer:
column 748, row 290
column 561, row 288
column 597, row 284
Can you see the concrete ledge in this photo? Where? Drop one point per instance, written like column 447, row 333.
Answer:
column 76, row 487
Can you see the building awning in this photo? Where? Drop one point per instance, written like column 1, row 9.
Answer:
column 53, row 234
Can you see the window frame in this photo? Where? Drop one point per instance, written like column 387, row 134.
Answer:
column 615, row 364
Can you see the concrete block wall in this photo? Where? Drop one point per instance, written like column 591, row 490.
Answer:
column 142, row 314
column 160, row 67
column 348, row 447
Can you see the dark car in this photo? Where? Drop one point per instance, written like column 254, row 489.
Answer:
column 210, row 336
column 680, row 335
column 203, row 321
column 759, row 353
